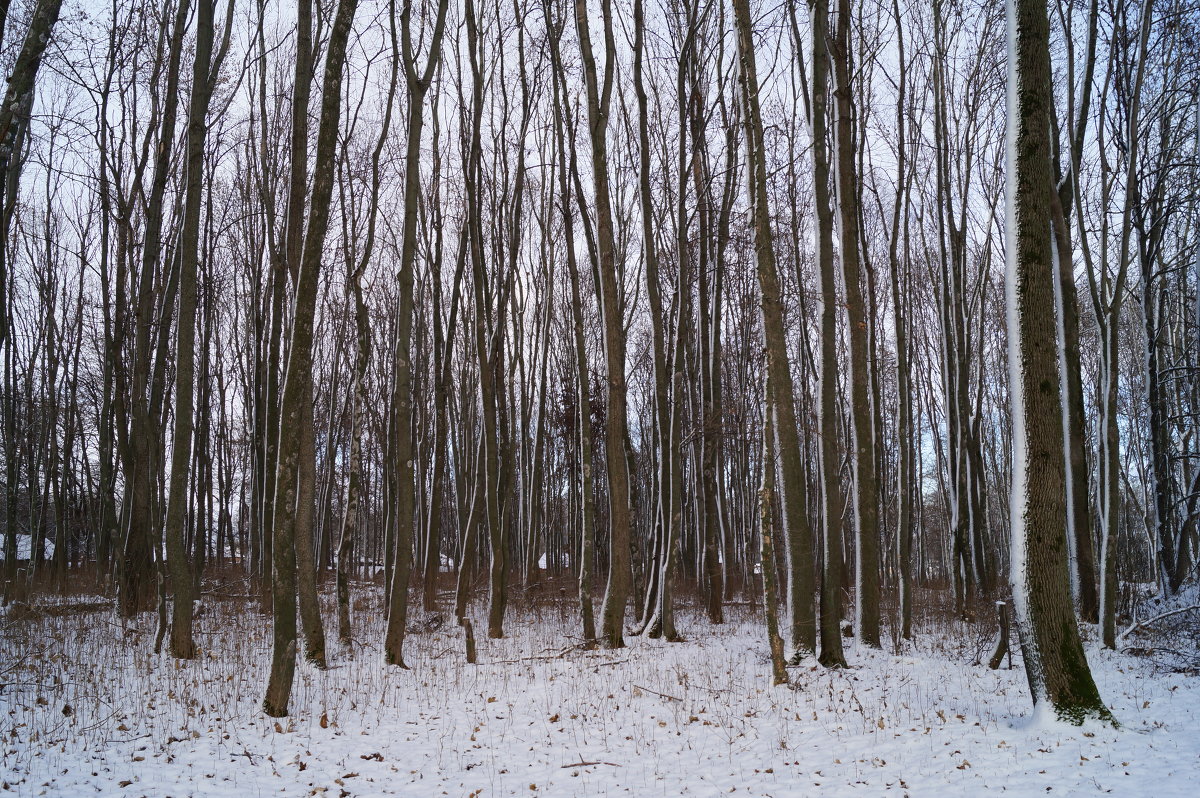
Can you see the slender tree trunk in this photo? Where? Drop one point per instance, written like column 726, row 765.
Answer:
column 832, row 499
column 616, row 595
column 866, row 489
column 297, row 385
column 766, row 542
column 781, row 404
column 900, row 279
column 17, row 101
column 181, row 645
column 403, row 405
column 661, row 479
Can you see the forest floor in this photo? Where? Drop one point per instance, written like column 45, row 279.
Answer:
column 86, row 708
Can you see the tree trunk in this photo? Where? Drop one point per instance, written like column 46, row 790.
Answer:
column 616, row 595
column 1055, row 663
column 766, row 542
column 781, row 404
column 13, row 121
column 181, row 644
column 866, row 490
column 297, row 386
column 403, row 406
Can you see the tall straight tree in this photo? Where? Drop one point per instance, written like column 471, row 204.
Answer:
column 587, row 511
column 866, row 489
column 141, row 449
column 402, row 398
column 488, row 340
column 828, row 415
column 661, row 480
column 12, row 121
column 362, row 351
column 900, row 316
column 181, row 644
column 599, row 94
column 1055, row 663
column 297, row 385
column 300, row 496
column 1108, row 279
column 781, row 399
column 1079, row 506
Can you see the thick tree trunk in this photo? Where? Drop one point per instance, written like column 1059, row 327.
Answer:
column 1055, row 663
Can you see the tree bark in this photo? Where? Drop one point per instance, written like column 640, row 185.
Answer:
column 781, row 404
column 181, row 644
column 1055, row 663
column 616, row 595
column 297, row 386
column 403, row 406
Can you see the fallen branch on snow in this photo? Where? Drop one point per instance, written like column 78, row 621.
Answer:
column 1156, row 619
column 655, row 692
column 589, row 764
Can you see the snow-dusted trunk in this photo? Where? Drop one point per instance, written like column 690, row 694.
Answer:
column 766, row 550
column 1079, row 519
column 658, row 484
column 1055, row 663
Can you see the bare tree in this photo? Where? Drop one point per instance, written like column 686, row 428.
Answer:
column 297, row 386
column 1055, row 663
column 402, row 398
column 599, row 95
column 781, row 401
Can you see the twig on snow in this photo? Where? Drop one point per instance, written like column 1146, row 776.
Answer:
column 589, row 764
column 655, row 692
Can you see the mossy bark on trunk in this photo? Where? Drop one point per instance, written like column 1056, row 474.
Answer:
column 1055, row 663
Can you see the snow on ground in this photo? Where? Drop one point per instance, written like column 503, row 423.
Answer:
column 87, row 709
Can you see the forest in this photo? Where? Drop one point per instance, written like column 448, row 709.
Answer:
column 770, row 365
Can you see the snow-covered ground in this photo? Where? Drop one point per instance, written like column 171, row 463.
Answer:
column 87, row 709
